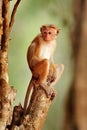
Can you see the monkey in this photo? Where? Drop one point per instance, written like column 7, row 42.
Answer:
column 40, row 58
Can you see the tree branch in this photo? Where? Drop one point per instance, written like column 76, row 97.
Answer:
column 37, row 109
column 13, row 14
column 1, row 22
column 5, row 15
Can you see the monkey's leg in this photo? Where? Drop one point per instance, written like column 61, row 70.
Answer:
column 53, row 78
column 41, row 70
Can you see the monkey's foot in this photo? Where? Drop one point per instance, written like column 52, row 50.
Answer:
column 49, row 91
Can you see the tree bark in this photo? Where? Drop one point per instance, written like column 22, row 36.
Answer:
column 7, row 93
column 76, row 108
column 39, row 106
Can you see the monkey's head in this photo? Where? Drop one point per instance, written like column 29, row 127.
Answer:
column 49, row 32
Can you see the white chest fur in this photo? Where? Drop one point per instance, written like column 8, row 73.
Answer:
column 47, row 50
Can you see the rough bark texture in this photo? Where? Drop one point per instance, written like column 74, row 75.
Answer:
column 7, row 93
column 5, row 90
column 76, row 109
column 1, row 21
column 39, row 107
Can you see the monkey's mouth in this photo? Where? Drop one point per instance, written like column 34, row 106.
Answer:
column 47, row 39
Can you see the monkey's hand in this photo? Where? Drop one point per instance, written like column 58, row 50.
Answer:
column 55, row 76
column 52, row 73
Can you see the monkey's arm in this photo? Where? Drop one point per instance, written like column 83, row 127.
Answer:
column 33, row 54
column 59, row 71
column 52, row 69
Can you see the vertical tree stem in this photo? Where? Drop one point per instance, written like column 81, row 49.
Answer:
column 7, row 93
column 0, row 21
column 5, row 15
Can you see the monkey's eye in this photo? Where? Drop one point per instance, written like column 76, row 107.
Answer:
column 45, row 32
column 49, row 32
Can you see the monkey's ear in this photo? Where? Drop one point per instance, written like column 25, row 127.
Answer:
column 40, row 29
column 58, row 31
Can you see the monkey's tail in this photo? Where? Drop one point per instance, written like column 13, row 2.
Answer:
column 30, row 86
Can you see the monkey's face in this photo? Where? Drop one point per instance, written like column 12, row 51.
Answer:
column 49, row 34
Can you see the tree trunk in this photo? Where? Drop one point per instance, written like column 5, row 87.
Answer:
column 7, row 93
column 76, row 108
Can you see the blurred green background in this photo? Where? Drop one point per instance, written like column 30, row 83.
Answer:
column 30, row 16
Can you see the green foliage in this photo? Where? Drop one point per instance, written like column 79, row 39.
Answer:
column 30, row 16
